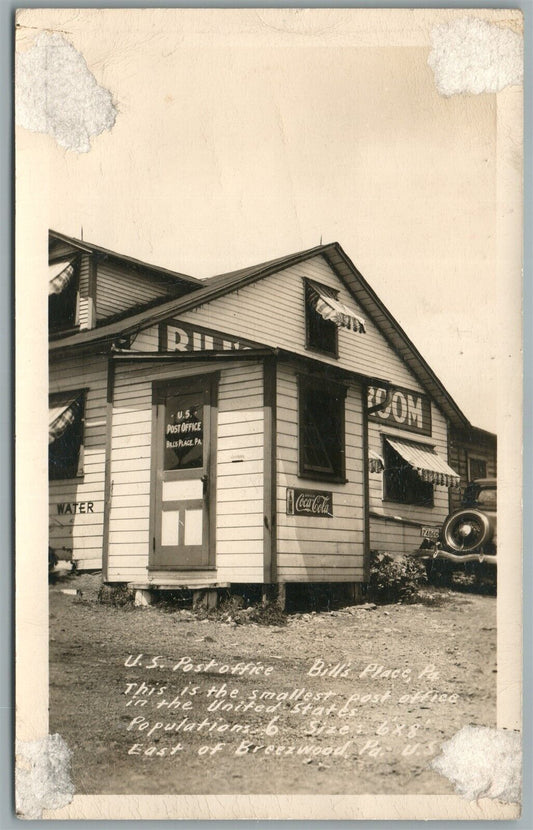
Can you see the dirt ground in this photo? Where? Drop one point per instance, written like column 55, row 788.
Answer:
column 357, row 700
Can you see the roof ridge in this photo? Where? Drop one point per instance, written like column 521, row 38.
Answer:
column 251, row 270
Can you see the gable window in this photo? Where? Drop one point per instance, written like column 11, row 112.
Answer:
column 477, row 468
column 321, row 334
column 63, row 286
column 65, row 435
column 321, row 430
column 324, row 316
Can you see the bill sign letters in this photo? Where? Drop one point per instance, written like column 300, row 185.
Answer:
column 182, row 337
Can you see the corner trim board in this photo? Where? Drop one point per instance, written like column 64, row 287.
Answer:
column 107, row 473
column 366, row 486
column 270, row 470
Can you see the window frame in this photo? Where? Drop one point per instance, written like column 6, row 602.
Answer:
column 61, row 328
column 338, row 391
column 308, row 310
column 478, row 459
column 80, row 466
column 391, row 499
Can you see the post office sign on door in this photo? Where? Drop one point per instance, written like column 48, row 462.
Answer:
column 317, row 503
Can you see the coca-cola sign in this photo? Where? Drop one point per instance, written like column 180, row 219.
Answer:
column 317, row 503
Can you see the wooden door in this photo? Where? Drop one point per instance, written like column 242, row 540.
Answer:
column 183, row 490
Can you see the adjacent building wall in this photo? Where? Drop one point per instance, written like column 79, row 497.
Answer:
column 463, row 447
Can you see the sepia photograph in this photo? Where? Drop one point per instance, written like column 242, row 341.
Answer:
column 269, row 292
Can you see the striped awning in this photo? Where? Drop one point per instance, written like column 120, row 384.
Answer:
column 62, row 413
column 331, row 309
column 59, row 276
column 426, row 461
column 376, row 463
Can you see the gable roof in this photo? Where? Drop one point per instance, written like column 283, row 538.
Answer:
column 223, row 284
column 181, row 280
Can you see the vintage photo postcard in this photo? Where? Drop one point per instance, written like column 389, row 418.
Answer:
column 268, row 276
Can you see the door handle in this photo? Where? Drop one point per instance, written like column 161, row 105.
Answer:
column 205, row 484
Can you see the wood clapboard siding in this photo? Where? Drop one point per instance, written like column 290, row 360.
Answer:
column 82, row 531
column 240, row 474
column 323, row 574
column 239, row 504
column 147, row 340
column 272, row 311
column 60, row 249
column 83, row 290
column 118, row 288
column 309, row 548
column 394, row 537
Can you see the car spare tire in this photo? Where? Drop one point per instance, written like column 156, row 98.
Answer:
column 466, row 531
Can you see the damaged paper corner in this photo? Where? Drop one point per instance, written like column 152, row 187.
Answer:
column 469, row 55
column 42, row 777
column 483, row 763
column 56, row 93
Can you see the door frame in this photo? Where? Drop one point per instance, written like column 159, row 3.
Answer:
column 186, row 384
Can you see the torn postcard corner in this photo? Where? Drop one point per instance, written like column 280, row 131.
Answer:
column 483, row 762
column 42, row 780
column 57, row 94
column 469, row 55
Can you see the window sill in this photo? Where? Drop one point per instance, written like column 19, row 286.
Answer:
column 409, row 503
column 323, row 478
column 75, row 479
column 322, row 352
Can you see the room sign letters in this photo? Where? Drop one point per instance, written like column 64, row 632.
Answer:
column 406, row 409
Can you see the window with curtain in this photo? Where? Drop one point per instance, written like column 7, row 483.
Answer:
column 66, row 435
column 63, row 286
column 321, row 334
column 402, row 483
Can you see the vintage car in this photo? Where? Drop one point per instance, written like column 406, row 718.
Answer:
column 468, row 534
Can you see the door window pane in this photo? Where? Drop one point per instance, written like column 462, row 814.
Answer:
column 184, row 433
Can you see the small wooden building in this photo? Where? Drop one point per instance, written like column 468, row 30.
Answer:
column 269, row 425
column 473, row 453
